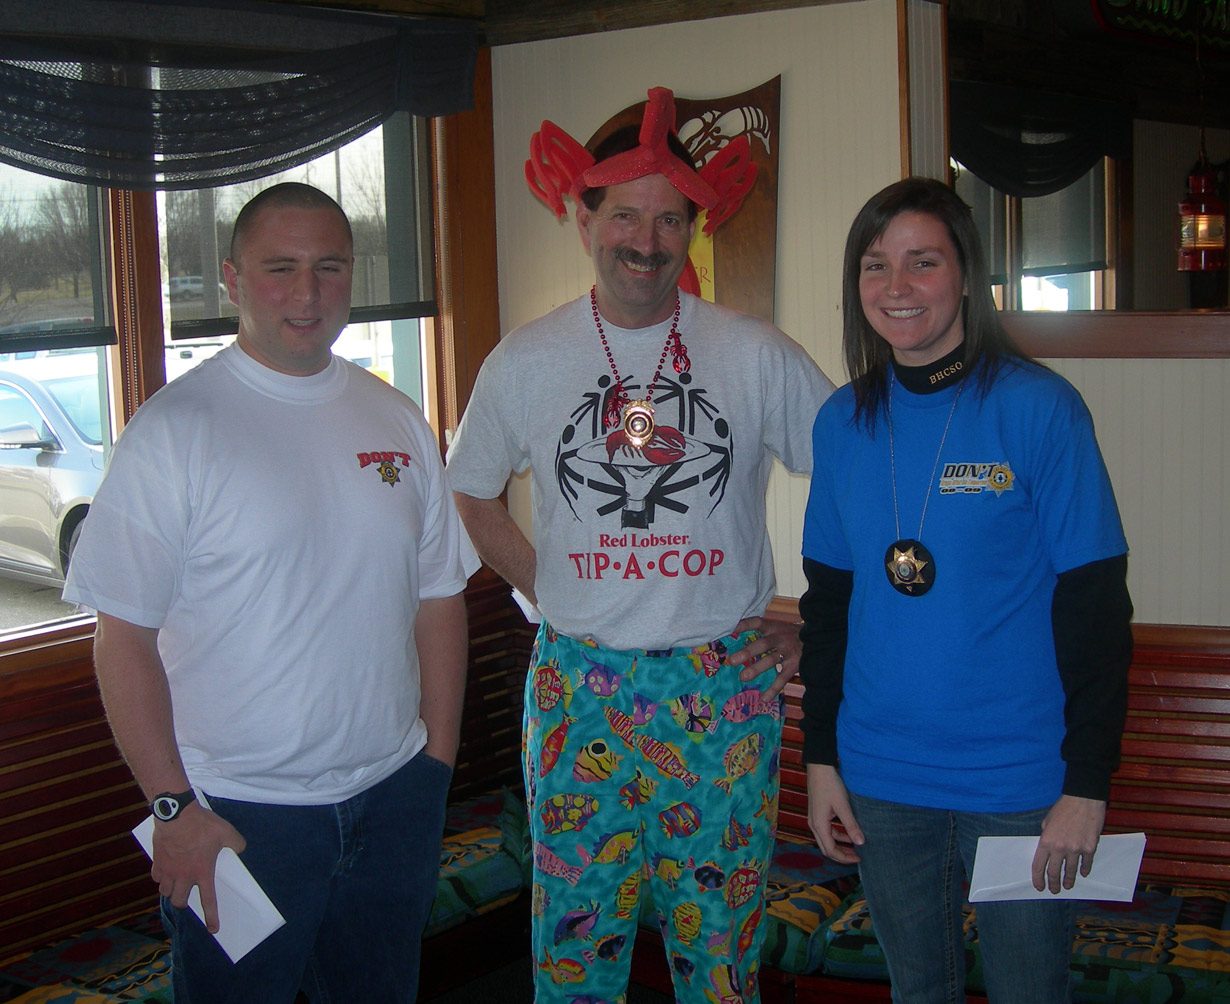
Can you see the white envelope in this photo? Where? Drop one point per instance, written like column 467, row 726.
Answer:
column 246, row 916
column 531, row 612
column 1003, row 870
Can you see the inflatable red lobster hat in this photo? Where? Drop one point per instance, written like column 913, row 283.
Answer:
column 560, row 166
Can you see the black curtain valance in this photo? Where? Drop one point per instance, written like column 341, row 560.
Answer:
column 1029, row 143
column 129, row 94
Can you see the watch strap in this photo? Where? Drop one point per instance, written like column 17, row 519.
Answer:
column 169, row 805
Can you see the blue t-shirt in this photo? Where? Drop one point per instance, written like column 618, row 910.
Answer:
column 952, row 699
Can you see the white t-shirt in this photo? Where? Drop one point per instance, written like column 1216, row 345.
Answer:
column 665, row 546
column 279, row 531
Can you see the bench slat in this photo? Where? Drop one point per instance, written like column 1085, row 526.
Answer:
column 1194, row 801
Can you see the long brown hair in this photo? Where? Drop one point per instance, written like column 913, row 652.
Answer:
column 868, row 356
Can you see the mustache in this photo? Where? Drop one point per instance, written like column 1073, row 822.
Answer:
column 656, row 260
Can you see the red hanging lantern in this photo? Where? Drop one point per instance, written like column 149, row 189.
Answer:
column 1202, row 223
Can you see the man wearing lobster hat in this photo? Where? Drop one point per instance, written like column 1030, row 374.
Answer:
column 650, row 419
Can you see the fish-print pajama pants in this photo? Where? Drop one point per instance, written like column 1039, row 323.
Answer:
column 653, row 770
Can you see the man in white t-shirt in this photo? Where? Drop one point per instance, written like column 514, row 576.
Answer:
column 278, row 568
column 650, row 419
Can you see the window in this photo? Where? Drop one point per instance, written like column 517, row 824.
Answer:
column 1047, row 252
column 56, row 403
column 55, row 415
column 381, row 181
column 52, row 263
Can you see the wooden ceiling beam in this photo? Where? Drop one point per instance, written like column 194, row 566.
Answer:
column 510, row 21
column 472, row 10
column 995, row 41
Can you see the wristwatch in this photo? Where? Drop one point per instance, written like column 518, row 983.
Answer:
column 168, row 806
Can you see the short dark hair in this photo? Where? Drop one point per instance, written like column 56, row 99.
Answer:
column 287, row 195
column 868, row 356
column 629, row 138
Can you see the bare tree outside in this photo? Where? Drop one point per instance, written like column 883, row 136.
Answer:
column 63, row 233
column 364, row 184
column 13, row 246
column 183, row 226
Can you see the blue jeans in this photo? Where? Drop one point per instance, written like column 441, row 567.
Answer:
column 913, row 866
column 355, row 882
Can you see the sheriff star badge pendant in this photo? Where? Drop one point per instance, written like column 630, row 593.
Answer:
column 909, row 566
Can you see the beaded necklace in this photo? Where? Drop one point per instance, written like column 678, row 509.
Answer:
column 637, row 416
column 908, row 564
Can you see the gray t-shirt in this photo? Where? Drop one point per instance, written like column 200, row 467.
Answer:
column 664, row 546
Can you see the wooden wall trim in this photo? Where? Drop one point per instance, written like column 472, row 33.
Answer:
column 510, row 21
column 783, row 608
column 903, row 83
column 469, row 322
column 1197, row 638
column 1111, row 334
column 1186, row 637
column 137, row 295
column 54, row 659
column 39, row 660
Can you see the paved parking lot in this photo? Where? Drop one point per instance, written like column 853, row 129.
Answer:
column 23, row 604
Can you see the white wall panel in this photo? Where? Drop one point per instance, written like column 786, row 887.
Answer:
column 1162, row 428
column 928, row 92
column 840, row 143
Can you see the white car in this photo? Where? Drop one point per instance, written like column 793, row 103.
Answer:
column 51, row 461
column 186, row 287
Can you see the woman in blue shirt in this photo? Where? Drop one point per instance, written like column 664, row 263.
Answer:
column 966, row 636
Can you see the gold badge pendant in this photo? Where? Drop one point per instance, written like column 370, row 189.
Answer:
column 638, row 423
column 909, row 566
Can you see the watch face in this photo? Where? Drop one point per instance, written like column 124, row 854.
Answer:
column 165, row 807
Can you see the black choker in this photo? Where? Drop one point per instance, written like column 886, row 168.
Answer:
column 934, row 376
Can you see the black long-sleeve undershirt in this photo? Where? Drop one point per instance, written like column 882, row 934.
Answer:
column 825, row 609
column 1091, row 616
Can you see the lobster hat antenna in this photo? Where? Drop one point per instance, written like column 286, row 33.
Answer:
column 560, row 166
column 650, row 156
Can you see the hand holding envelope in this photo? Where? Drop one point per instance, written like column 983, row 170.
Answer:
column 245, row 914
column 1002, row 870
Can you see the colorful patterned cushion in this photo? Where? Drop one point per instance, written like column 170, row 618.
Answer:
column 851, row 950
column 483, row 859
column 128, row 962
column 805, row 889
column 476, row 875
column 514, row 827
column 483, row 810
column 481, row 862
column 1170, row 945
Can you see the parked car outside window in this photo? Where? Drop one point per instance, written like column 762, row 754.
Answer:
column 51, row 462
column 186, row 287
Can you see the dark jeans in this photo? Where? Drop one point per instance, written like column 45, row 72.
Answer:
column 355, row 882
column 913, row 866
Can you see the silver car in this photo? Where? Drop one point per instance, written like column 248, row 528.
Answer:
column 51, row 461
